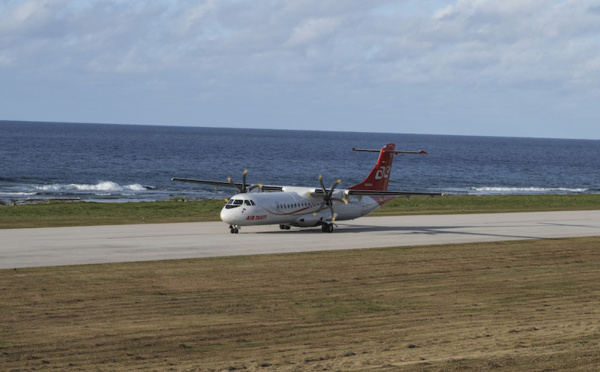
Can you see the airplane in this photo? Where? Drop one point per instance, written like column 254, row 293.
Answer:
column 287, row 206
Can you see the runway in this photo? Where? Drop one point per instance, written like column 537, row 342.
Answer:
column 21, row 248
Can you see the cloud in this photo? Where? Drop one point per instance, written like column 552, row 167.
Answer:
column 410, row 58
column 312, row 30
column 496, row 41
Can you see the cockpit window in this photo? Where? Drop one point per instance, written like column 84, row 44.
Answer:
column 234, row 203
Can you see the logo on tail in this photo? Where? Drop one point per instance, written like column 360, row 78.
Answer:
column 379, row 177
column 380, row 174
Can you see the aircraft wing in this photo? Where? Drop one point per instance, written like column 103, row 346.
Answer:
column 218, row 184
column 390, row 193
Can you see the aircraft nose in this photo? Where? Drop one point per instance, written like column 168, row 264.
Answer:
column 225, row 215
column 229, row 215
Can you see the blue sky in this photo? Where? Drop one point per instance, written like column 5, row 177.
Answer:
column 467, row 67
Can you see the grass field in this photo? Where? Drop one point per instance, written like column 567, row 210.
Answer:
column 83, row 213
column 511, row 306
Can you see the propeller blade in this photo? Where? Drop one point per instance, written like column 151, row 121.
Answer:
column 333, row 188
column 233, row 184
column 328, row 196
column 322, row 184
column 243, row 188
column 255, row 186
column 341, row 200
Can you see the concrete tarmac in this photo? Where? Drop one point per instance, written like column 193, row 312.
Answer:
column 103, row 244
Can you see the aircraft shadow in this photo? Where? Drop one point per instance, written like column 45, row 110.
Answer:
column 432, row 230
column 405, row 230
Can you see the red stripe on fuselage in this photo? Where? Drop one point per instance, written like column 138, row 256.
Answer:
column 289, row 213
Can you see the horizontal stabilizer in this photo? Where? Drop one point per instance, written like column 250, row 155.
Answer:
column 420, row 152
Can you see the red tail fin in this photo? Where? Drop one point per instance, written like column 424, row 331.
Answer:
column 379, row 177
column 380, row 174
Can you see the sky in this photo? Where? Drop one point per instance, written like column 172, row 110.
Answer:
column 519, row 68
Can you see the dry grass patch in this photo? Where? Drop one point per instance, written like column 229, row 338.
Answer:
column 508, row 306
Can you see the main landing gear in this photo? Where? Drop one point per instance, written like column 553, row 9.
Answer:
column 234, row 229
column 327, row 227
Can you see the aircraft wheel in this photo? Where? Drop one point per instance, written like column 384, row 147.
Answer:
column 327, row 227
column 281, row 227
column 234, row 230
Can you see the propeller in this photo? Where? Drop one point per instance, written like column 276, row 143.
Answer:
column 243, row 188
column 328, row 198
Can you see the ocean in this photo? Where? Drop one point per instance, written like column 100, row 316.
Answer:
column 120, row 163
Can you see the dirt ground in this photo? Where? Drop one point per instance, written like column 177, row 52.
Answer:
column 511, row 306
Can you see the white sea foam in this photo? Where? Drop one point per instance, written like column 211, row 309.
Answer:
column 103, row 187
column 525, row 190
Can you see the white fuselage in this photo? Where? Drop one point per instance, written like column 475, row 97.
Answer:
column 294, row 206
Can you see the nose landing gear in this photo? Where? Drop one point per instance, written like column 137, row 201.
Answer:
column 234, row 229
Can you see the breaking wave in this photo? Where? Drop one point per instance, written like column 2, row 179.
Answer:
column 101, row 191
column 104, row 186
column 525, row 190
